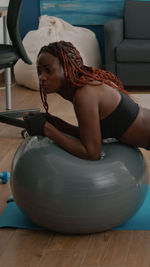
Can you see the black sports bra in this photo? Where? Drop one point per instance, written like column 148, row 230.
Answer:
column 120, row 119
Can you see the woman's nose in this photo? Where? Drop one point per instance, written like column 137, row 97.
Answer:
column 42, row 77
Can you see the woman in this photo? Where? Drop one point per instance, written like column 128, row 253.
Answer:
column 102, row 107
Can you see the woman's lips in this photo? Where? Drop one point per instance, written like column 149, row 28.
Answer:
column 44, row 86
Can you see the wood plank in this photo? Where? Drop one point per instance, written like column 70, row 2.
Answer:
column 61, row 259
column 117, row 250
column 25, row 248
column 5, row 192
column 138, row 253
column 5, row 236
column 66, row 250
column 77, row 243
column 97, row 248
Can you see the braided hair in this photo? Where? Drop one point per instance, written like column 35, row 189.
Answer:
column 76, row 73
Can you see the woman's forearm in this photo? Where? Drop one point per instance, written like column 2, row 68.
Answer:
column 70, row 144
column 65, row 127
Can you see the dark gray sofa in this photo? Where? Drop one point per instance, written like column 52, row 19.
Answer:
column 127, row 44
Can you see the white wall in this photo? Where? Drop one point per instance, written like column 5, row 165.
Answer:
column 2, row 3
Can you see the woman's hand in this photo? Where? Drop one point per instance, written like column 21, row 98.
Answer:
column 35, row 123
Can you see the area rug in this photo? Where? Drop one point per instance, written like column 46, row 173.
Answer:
column 12, row 217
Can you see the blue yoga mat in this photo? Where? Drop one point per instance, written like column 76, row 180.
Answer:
column 14, row 218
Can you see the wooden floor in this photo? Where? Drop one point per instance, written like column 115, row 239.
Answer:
column 20, row 248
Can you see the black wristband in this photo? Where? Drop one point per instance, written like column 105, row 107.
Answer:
column 34, row 123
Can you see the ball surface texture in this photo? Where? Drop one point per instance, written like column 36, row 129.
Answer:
column 66, row 194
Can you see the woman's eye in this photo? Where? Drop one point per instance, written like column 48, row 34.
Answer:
column 48, row 71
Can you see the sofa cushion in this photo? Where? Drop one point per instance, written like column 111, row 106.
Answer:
column 133, row 51
column 134, row 74
column 137, row 19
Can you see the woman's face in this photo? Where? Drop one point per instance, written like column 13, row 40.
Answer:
column 50, row 73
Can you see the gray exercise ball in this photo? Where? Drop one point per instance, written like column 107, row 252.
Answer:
column 65, row 194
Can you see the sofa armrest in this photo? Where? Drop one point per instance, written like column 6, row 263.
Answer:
column 113, row 35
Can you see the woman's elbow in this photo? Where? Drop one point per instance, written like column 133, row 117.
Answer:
column 93, row 156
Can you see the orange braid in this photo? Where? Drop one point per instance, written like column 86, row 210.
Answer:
column 76, row 73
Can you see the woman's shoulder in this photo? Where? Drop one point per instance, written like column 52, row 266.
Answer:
column 101, row 93
column 87, row 91
column 95, row 89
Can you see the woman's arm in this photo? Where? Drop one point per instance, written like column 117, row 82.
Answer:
column 88, row 145
column 64, row 126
